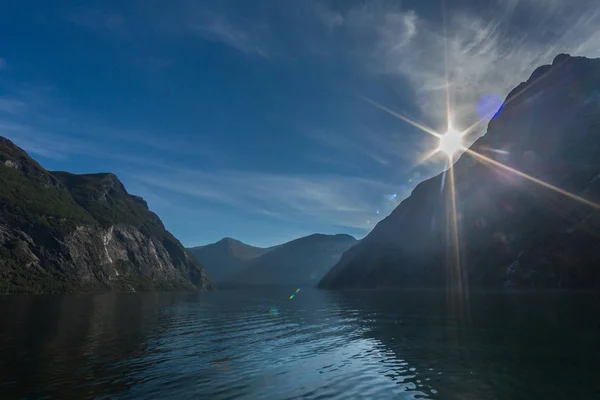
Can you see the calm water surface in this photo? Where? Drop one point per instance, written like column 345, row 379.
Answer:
column 259, row 344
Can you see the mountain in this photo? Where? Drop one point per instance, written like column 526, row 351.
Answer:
column 61, row 232
column 226, row 257
column 512, row 230
column 301, row 262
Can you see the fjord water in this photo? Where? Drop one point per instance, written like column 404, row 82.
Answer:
column 260, row 344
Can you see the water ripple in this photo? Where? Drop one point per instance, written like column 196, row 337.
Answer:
column 229, row 345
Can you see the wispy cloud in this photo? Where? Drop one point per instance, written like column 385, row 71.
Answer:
column 485, row 55
column 45, row 126
column 334, row 199
column 362, row 146
column 41, row 143
column 98, row 20
column 329, row 17
column 219, row 28
column 172, row 21
column 488, row 54
column 11, row 106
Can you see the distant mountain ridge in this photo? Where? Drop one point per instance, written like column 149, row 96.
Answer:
column 512, row 231
column 61, row 232
column 226, row 257
column 300, row 262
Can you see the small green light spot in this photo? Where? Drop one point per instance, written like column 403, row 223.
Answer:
column 297, row 290
column 291, row 297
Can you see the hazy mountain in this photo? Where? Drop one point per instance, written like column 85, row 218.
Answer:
column 61, row 232
column 226, row 257
column 301, row 262
column 512, row 231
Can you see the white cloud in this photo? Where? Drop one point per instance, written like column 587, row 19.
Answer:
column 330, row 18
column 485, row 56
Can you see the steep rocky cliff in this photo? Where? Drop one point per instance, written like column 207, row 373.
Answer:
column 61, row 232
column 512, row 231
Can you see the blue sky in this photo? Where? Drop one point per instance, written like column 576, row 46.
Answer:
column 245, row 118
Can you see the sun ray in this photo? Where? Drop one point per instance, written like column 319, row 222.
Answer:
column 532, row 179
column 450, row 144
column 499, row 151
column 403, row 118
column 446, row 69
column 443, row 183
column 427, row 156
column 472, row 127
column 454, row 226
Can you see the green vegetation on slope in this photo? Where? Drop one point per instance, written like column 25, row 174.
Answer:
column 38, row 200
column 38, row 209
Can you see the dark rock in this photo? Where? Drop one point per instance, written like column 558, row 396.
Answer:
column 61, row 232
column 561, row 58
column 550, row 125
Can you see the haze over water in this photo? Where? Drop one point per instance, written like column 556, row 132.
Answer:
column 259, row 344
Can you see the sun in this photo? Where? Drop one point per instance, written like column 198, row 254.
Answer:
column 451, row 142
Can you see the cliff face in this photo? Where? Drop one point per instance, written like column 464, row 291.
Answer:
column 226, row 257
column 512, row 231
column 61, row 232
column 301, row 262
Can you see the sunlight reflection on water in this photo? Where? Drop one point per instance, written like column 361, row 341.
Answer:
column 321, row 345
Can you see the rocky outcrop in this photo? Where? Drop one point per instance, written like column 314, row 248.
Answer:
column 512, row 230
column 61, row 232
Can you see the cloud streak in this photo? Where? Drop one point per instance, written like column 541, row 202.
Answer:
column 40, row 123
column 11, row 106
column 333, row 199
column 98, row 20
column 36, row 123
column 41, row 143
column 485, row 55
column 218, row 28
column 489, row 51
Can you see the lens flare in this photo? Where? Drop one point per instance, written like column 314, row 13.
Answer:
column 274, row 312
column 451, row 144
column 294, row 294
column 490, row 107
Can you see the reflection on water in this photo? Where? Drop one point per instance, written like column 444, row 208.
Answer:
column 262, row 345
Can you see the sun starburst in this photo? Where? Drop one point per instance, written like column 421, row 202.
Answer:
column 451, row 142
column 452, row 145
